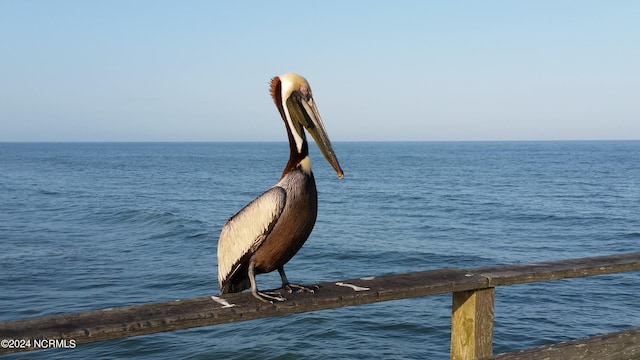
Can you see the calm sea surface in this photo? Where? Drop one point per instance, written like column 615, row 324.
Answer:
column 87, row 226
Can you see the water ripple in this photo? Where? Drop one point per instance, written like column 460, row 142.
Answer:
column 89, row 226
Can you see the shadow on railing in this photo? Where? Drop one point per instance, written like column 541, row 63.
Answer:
column 471, row 320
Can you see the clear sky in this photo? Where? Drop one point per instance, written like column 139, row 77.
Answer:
column 124, row 70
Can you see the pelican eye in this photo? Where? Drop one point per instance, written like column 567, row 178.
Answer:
column 303, row 93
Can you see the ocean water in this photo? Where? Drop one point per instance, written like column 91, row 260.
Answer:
column 87, row 226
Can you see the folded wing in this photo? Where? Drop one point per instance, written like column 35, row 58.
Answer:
column 244, row 232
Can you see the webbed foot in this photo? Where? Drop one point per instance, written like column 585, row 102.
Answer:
column 269, row 297
column 291, row 288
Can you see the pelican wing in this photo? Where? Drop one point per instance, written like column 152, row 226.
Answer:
column 243, row 233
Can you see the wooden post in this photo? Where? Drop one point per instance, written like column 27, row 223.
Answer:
column 472, row 324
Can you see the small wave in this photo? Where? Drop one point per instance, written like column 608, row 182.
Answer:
column 146, row 216
column 48, row 192
column 197, row 235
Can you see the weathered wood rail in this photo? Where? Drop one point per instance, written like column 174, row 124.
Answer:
column 472, row 309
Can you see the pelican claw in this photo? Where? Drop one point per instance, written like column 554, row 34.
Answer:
column 291, row 288
column 269, row 297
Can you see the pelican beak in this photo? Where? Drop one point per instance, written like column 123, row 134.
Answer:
column 309, row 117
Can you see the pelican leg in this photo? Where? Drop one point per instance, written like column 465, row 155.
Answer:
column 262, row 296
column 294, row 287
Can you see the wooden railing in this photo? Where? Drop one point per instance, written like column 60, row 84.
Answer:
column 471, row 321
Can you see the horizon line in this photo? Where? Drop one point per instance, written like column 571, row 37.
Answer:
column 285, row 141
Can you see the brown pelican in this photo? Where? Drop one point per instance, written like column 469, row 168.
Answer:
column 270, row 230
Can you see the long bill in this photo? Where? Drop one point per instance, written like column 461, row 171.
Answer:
column 310, row 118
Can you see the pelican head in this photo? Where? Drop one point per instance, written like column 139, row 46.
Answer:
column 292, row 95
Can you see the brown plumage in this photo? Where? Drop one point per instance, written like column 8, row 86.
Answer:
column 265, row 234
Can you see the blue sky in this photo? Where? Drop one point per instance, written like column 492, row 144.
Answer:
column 379, row 70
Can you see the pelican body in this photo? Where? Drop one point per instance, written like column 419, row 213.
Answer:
column 265, row 234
